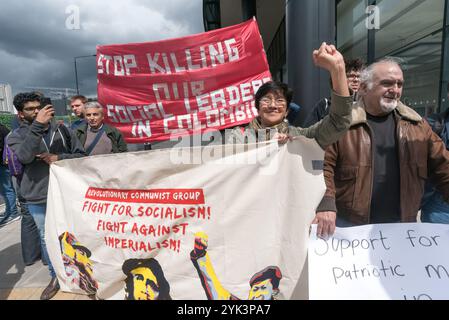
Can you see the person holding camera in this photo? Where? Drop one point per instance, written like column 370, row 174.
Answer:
column 37, row 143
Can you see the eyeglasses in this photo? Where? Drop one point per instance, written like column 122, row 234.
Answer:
column 32, row 109
column 268, row 101
column 353, row 76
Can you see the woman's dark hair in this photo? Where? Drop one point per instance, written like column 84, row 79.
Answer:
column 21, row 98
column 274, row 87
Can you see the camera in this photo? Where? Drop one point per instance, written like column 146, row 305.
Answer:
column 45, row 101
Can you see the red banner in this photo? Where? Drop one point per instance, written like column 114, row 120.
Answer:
column 156, row 91
column 171, row 196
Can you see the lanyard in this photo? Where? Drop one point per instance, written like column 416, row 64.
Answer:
column 48, row 138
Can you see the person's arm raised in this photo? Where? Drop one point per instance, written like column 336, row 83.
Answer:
column 329, row 58
column 338, row 121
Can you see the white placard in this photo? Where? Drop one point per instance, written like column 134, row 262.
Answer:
column 384, row 261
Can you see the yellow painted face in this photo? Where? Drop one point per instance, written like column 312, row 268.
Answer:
column 145, row 284
column 82, row 258
column 69, row 251
column 262, row 290
column 77, row 255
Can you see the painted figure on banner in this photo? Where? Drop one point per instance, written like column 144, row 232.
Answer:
column 264, row 284
column 78, row 266
column 145, row 280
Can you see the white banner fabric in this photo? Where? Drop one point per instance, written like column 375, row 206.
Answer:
column 215, row 222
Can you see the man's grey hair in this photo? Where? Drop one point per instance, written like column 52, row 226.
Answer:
column 366, row 75
column 93, row 104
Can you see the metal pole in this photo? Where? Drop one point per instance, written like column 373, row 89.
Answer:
column 371, row 49
column 76, row 78
column 76, row 70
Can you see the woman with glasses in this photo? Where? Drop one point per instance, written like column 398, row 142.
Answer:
column 273, row 98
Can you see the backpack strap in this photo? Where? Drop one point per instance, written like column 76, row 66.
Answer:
column 95, row 141
column 3, row 134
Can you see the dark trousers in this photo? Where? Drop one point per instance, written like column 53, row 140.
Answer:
column 30, row 240
column 29, row 235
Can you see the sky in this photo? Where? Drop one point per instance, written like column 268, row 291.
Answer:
column 39, row 39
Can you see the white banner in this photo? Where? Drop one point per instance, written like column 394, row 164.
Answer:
column 216, row 222
column 400, row 261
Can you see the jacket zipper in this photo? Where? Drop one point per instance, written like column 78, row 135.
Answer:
column 372, row 170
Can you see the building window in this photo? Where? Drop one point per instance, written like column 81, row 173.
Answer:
column 276, row 54
column 410, row 31
column 211, row 15
column 352, row 35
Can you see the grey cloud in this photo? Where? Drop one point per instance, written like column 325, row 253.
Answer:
column 37, row 49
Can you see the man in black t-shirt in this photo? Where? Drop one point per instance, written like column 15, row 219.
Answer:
column 376, row 172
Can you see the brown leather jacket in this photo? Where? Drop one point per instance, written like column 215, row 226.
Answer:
column 348, row 166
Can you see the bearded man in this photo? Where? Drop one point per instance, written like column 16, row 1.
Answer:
column 375, row 173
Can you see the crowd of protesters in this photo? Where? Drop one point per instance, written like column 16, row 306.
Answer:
column 383, row 161
column 37, row 142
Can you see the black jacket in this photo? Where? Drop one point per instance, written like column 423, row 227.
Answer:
column 27, row 142
column 3, row 133
column 319, row 111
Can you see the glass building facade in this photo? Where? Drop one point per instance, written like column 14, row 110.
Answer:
column 413, row 31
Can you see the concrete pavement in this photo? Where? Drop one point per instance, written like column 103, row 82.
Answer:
column 17, row 281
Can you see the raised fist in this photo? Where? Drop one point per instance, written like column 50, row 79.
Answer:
column 200, row 244
column 328, row 57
